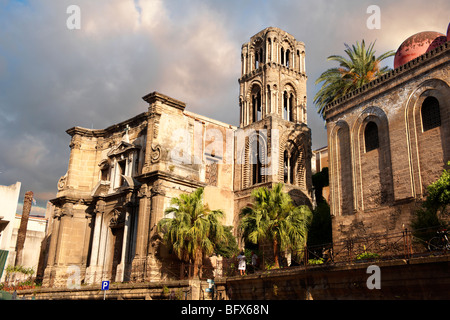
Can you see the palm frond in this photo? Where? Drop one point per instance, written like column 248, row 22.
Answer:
column 357, row 69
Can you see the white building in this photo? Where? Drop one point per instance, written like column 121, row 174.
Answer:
column 9, row 197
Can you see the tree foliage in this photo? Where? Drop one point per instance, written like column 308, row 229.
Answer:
column 438, row 193
column 360, row 67
column 194, row 230
column 429, row 218
column 275, row 218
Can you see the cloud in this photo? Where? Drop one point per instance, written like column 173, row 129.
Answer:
column 53, row 78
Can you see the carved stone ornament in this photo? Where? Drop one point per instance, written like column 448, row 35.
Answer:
column 143, row 191
column 62, row 182
column 57, row 213
column 156, row 153
column 100, row 206
column 157, row 190
column 67, row 209
column 117, row 218
column 75, row 143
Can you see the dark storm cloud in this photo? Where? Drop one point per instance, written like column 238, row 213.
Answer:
column 53, row 78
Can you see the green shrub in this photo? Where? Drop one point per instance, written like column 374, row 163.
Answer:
column 367, row 256
column 316, row 261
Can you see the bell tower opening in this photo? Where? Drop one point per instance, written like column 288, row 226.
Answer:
column 272, row 101
column 272, row 78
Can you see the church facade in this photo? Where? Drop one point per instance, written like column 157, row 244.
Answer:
column 121, row 179
column 389, row 140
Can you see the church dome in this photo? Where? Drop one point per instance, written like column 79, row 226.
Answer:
column 417, row 45
column 448, row 32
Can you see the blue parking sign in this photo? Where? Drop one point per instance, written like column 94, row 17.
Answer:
column 105, row 285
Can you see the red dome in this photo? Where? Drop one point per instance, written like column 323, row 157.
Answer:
column 448, row 32
column 417, row 45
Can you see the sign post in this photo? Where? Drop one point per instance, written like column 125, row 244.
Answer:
column 105, row 286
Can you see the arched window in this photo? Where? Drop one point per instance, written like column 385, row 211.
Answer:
column 289, row 167
column 255, row 108
column 431, row 116
column 371, row 136
column 288, row 106
column 288, row 58
column 256, row 103
column 291, row 108
column 256, row 160
column 258, row 58
column 286, row 166
column 292, row 161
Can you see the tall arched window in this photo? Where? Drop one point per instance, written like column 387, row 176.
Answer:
column 256, row 160
column 288, row 106
column 285, row 106
column 256, row 107
column 431, row 116
column 288, row 58
column 286, row 166
column 371, row 136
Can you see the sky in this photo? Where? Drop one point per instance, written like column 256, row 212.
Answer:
column 54, row 77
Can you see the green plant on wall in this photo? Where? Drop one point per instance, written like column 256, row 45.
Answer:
column 368, row 256
column 428, row 219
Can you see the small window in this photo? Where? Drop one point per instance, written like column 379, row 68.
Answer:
column 122, row 166
column 105, row 174
column 431, row 117
column 371, row 136
column 286, row 167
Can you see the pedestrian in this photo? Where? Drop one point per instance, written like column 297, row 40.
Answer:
column 241, row 263
column 255, row 261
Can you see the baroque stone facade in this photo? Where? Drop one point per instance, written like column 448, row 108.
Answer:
column 121, row 179
column 387, row 142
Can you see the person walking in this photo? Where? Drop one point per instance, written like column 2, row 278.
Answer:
column 241, row 263
column 255, row 261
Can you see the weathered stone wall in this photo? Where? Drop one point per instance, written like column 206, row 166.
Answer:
column 419, row 279
column 121, row 179
column 378, row 189
column 416, row 279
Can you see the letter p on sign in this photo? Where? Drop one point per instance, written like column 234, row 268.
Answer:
column 105, row 285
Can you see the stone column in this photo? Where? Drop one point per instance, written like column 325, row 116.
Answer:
column 142, row 234
column 92, row 270
column 48, row 273
column 120, row 273
column 156, row 213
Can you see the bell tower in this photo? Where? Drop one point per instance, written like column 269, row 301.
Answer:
column 275, row 144
column 273, row 78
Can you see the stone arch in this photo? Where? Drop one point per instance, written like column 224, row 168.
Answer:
column 374, row 169
column 288, row 105
column 253, row 158
column 341, row 170
column 293, row 143
column 424, row 165
column 255, row 101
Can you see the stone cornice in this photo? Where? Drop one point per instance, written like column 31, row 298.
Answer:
column 166, row 100
column 390, row 80
column 102, row 132
column 152, row 176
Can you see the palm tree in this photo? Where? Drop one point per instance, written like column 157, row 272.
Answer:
column 359, row 68
column 194, row 229
column 275, row 218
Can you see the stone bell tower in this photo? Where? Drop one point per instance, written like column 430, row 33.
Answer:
column 275, row 145
column 273, row 79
